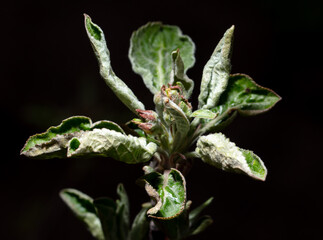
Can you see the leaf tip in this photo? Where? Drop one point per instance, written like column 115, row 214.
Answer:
column 92, row 29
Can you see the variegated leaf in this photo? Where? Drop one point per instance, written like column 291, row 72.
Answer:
column 83, row 207
column 180, row 120
column 216, row 72
column 178, row 75
column 54, row 142
column 150, row 53
column 217, row 150
column 122, row 91
column 108, row 143
column 169, row 192
column 246, row 96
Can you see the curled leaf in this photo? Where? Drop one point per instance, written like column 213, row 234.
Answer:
column 216, row 150
column 122, row 91
column 83, row 207
column 216, row 72
column 54, row 142
column 246, row 96
column 108, row 143
column 178, row 75
column 169, row 191
column 150, row 53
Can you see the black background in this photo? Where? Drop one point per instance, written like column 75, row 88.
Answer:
column 49, row 72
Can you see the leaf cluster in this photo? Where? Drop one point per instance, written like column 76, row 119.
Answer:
column 162, row 138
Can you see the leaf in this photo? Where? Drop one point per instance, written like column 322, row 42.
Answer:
column 217, row 150
column 54, row 142
column 216, row 72
column 150, row 53
column 169, row 191
column 178, row 75
column 106, row 209
column 181, row 122
column 204, row 113
column 123, row 212
column 242, row 96
column 195, row 213
column 140, row 225
column 109, row 143
column 108, row 125
column 246, row 97
column 82, row 206
column 121, row 90
column 201, row 224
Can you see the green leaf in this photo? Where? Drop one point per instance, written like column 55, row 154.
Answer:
column 179, row 77
column 200, row 225
column 54, row 142
column 106, row 209
column 169, row 191
column 217, row 150
column 150, row 53
column 123, row 212
column 195, row 213
column 216, row 72
column 246, row 97
column 122, row 91
column 109, row 143
column 82, row 206
column 140, row 225
column 204, row 113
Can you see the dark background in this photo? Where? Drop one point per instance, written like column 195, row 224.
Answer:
column 49, row 72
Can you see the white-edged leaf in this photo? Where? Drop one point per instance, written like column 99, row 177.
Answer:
column 217, row 150
column 122, row 91
column 54, row 142
column 82, row 206
column 150, row 53
column 109, row 143
column 216, row 72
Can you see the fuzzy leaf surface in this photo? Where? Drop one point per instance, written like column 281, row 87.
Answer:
column 121, row 90
column 82, row 206
column 169, row 191
column 242, row 96
column 246, row 96
column 140, row 225
column 217, row 150
column 216, row 72
column 54, row 142
column 182, row 123
column 196, row 212
column 150, row 53
column 123, row 212
column 179, row 77
column 106, row 209
column 204, row 113
column 109, row 143
column 200, row 225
